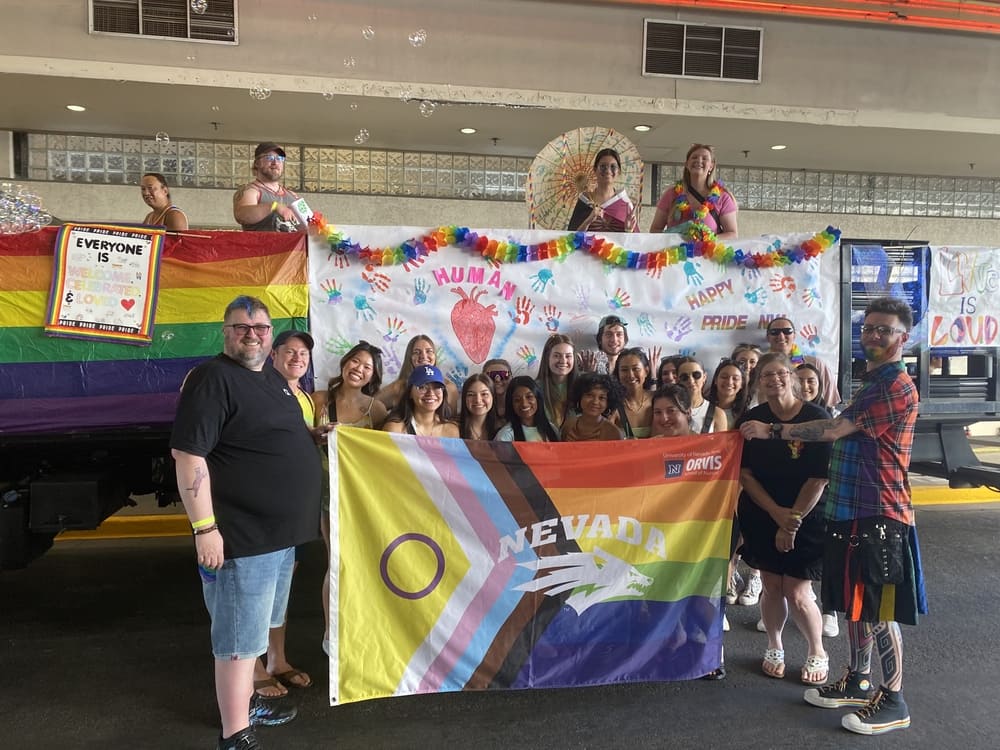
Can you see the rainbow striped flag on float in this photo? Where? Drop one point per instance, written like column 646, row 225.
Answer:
column 61, row 384
column 475, row 565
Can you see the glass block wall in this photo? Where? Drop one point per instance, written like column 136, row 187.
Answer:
column 62, row 157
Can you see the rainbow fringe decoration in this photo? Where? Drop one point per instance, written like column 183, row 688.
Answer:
column 701, row 243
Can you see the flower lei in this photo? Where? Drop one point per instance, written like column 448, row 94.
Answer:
column 701, row 242
column 682, row 206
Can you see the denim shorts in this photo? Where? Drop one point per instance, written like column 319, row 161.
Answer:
column 248, row 597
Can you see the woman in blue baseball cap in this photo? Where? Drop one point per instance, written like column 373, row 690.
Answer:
column 424, row 411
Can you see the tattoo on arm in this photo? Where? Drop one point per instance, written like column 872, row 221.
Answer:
column 812, row 431
column 199, row 477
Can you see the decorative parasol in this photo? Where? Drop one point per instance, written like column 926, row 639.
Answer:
column 565, row 168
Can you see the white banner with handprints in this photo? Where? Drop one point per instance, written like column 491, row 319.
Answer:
column 476, row 310
column 963, row 309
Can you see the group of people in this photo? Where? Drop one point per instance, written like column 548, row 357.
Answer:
column 823, row 497
column 696, row 202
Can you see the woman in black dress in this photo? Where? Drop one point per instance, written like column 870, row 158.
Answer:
column 781, row 518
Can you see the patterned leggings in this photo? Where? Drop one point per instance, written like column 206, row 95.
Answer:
column 889, row 640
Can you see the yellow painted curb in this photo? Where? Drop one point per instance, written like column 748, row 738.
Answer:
column 944, row 495
column 134, row 527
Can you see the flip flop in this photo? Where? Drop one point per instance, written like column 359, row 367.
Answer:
column 818, row 666
column 294, row 678
column 272, row 683
column 773, row 664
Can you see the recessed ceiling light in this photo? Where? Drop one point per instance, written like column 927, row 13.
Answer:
column 76, row 108
column 467, row 131
column 642, row 128
column 778, row 147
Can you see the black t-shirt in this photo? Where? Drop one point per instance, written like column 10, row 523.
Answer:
column 265, row 470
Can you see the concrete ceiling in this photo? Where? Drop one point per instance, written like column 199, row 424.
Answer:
column 38, row 103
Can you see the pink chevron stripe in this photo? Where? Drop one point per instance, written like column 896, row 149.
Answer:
column 493, row 586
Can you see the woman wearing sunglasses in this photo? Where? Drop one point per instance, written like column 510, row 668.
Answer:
column 605, row 208
column 705, row 417
column 499, row 372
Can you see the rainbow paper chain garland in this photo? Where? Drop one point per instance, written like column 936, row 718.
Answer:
column 701, row 243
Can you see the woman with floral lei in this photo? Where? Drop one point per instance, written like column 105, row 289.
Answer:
column 698, row 199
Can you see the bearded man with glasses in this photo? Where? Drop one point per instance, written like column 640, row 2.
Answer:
column 781, row 339
column 249, row 476
column 265, row 205
column 871, row 559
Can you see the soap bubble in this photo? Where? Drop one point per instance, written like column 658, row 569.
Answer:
column 350, row 63
column 198, row 7
column 427, row 108
column 368, row 33
column 354, row 106
column 328, row 96
column 361, row 137
column 260, row 92
column 418, row 37
column 162, row 137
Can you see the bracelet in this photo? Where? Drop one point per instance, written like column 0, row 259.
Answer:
column 795, row 514
column 203, row 523
column 206, row 530
column 274, row 206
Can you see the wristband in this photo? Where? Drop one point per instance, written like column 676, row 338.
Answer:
column 203, row 523
column 274, row 206
column 207, row 529
column 776, row 430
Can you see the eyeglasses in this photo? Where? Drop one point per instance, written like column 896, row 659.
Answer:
column 608, row 168
column 686, row 376
column 780, row 331
column 498, row 376
column 273, row 157
column 775, row 374
column 881, row 331
column 243, row 329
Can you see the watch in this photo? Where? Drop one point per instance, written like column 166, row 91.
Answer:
column 776, row 428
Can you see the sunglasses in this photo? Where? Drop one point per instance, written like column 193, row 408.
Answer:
column 272, row 157
column 498, row 376
column 686, row 376
column 780, row 331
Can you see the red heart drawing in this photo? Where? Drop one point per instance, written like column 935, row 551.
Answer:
column 128, row 304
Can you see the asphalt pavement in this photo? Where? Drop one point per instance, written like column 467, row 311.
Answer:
column 105, row 644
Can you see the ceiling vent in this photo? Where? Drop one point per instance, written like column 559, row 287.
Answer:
column 686, row 50
column 165, row 19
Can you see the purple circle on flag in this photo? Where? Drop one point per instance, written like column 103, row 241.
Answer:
column 384, row 565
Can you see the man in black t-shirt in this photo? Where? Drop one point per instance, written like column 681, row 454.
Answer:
column 249, row 476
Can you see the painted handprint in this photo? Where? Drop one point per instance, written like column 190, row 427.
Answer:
column 582, row 297
column 338, row 345
column 550, row 317
column 541, row 280
column 655, row 271
column 526, row 353
column 750, row 274
column 339, row 258
column 394, row 329
column 785, row 284
column 678, row 330
column 645, row 324
column 522, row 311
column 620, row 299
column 756, row 296
column 692, row 274
column 378, row 281
column 420, row 289
column 332, row 289
column 811, row 296
column 363, row 309
column 458, row 374
column 688, row 352
column 811, row 334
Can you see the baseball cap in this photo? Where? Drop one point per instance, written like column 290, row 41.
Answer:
column 267, row 148
column 282, row 338
column 425, row 374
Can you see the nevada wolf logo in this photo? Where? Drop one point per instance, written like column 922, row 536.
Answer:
column 594, row 577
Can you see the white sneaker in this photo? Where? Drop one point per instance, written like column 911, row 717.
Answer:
column 831, row 628
column 760, row 625
column 725, row 623
column 751, row 594
column 733, row 589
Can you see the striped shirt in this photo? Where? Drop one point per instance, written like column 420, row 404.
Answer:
column 868, row 468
